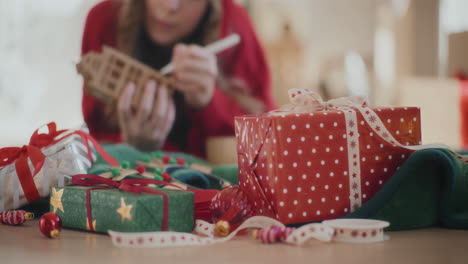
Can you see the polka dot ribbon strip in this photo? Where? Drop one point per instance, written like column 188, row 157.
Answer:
column 203, row 235
column 354, row 166
column 341, row 230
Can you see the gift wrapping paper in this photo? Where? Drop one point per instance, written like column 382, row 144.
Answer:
column 113, row 209
column 303, row 167
column 63, row 159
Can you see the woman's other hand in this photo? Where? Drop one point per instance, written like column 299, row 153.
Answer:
column 195, row 73
column 147, row 127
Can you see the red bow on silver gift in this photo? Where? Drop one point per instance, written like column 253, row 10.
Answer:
column 32, row 152
column 305, row 100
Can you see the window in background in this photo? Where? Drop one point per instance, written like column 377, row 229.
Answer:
column 453, row 15
column 453, row 37
column 39, row 46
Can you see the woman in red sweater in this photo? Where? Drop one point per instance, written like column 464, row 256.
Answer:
column 157, row 32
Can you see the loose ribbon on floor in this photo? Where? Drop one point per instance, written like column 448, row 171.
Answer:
column 33, row 153
column 206, row 235
column 342, row 230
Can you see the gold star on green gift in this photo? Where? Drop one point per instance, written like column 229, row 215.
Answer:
column 87, row 225
column 124, row 211
column 56, row 200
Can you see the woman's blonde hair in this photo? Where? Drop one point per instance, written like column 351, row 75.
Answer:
column 131, row 17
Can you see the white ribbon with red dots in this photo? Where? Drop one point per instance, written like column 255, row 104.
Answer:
column 204, row 235
column 173, row 239
column 354, row 164
column 342, row 230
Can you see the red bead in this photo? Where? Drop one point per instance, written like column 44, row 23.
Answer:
column 141, row 169
column 180, row 161
column 50, row 225
column 274, row 234
column 166, row 177
column 166, row 159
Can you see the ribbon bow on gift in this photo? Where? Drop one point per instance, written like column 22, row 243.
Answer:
column 305, row 100
column 32, row 151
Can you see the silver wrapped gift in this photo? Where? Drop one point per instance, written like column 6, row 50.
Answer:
column 63, row 160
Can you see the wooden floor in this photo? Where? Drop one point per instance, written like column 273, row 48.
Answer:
column 25, row 244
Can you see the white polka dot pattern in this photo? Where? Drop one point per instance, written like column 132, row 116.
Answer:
column 325, row 162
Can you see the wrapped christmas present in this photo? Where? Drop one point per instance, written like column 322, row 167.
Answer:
column 315, row 160
column 99, row 204
column 50, row 159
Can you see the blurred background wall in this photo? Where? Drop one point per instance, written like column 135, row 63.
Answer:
column 398, row 52
column 40, row 43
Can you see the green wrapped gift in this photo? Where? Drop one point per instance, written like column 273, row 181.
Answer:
column 113, row 209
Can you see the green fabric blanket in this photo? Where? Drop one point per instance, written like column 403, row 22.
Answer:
column 429, row 189
column 123, row 152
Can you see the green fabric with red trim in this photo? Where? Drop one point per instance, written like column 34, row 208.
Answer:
column 127, row 156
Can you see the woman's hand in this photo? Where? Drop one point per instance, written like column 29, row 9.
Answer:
column 147, row 127
column 195, row 72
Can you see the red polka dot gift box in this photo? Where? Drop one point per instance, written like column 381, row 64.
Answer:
column 315, row 160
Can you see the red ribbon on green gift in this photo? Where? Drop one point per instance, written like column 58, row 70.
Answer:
column 202, row 198
column 32, row 151
column 129, row 185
